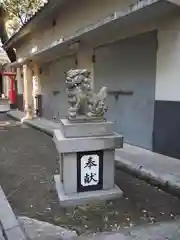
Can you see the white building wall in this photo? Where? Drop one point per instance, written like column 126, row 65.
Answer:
column 167, row 104
column 168, row 61
column 72, row 17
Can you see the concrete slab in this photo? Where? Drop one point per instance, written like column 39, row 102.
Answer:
column 4, row 108
column 40, row 124
column 106, row 236
column 81, row 198
column 159, row 170
column 39, row 230
column 15, row 234
column 159, row 231
column 10, row 224
column 7, row 216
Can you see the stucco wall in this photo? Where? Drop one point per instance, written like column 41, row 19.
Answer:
column 54, row 102
column 130, row 65
column 71, row 17
column 167, row 105
column 84, row 58
column 168, row 61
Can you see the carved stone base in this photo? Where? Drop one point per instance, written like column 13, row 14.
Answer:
column 77, row 199
column 87, row 129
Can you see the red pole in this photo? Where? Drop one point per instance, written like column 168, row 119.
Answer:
column 12, row 92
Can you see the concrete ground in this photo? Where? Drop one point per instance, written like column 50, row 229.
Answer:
column 28, row 161
column 160, row 231
column 4, row 105
column 156, row 169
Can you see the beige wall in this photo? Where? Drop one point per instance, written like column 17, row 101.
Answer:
column 71, row 18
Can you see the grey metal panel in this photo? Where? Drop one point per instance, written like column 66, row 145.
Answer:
column 130, row 65
column 54, row 89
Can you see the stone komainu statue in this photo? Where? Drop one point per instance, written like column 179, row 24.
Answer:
column 83, row 103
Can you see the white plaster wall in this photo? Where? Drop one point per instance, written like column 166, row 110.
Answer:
column 168, row 61
column 84, row 58
column 85, row 12
column 71, row 17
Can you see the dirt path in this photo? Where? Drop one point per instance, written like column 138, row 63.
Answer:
column 28, row 161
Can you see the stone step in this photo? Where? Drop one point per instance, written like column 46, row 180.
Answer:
column 38, row 230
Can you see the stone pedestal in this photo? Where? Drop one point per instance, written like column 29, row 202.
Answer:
column 87, row 167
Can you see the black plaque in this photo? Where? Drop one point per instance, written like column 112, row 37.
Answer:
column 89, row 171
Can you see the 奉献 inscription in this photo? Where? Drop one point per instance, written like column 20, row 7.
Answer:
column 89, row 170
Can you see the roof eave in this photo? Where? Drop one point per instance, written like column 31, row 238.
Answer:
column 107, row 29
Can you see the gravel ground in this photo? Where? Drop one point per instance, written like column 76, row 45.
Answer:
column 28, row 161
